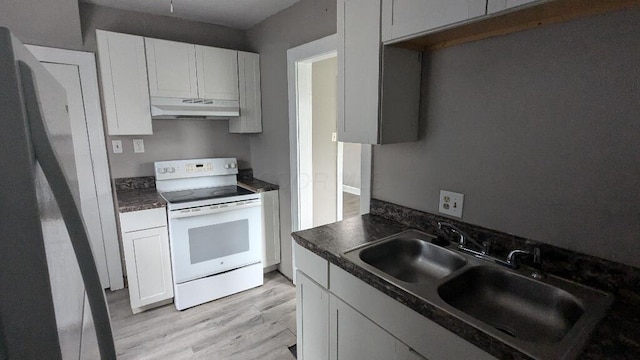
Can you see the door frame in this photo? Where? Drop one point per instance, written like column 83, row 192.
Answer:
column 299, row 58
column 86, row 63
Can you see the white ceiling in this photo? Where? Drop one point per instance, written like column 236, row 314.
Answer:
column 238, row 14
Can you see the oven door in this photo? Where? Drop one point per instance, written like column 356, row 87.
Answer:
column 213, row 239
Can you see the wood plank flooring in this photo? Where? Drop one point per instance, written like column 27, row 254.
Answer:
column 350, row 205
column 256, row 324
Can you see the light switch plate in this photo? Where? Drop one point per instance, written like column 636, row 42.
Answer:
column 138, row 145
column 117, row 146
column 451, row 203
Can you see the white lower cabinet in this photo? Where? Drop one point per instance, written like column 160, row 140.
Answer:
column 499, row 5
column 354, row 337
column 340, row 317
column 145, row 240
column 270, row 228
column 312, row 316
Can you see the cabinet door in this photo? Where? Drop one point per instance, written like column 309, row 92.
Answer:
column 312, row 316
column 410, row 17
column 354, row 337
column 125, row 89
column 250, row 120
column 358, row 70
column 148, row 266
column 499, row 5
column 217, row 73
column 172, row 69
column 403, row 352
column 270, row 228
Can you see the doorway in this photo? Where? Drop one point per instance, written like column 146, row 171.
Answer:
column 326, row 175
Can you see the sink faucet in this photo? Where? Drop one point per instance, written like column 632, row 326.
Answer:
column 464, row 238
column 512, row 258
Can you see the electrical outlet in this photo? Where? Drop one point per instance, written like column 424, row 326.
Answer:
column 138, row 145
column 117, row 146
column 451, row 203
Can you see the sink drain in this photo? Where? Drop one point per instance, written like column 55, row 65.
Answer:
column 507, row 330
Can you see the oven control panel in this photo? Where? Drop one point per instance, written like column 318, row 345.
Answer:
column 180, row 169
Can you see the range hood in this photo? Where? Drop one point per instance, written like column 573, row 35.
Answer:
column 175, row 108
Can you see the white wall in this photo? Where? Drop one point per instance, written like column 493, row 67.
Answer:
column 351, row 157
column 306, row 21
column 325, row 151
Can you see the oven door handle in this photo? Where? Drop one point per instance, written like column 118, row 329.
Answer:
column 213, row 209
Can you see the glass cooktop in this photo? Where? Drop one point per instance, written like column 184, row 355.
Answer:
column 183, row 196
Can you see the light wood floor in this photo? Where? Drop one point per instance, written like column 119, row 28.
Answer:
column 350, row 205
column 256, row 324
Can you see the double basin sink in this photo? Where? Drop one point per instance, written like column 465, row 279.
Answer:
column 549, row 318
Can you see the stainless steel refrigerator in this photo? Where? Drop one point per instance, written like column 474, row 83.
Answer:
column 52, row 305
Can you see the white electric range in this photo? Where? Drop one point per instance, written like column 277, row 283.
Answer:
column 215, row 229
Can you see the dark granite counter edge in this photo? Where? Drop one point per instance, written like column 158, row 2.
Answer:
column 130, row 200
column 615, row 338
column 469, row 333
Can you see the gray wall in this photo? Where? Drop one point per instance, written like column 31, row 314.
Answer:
column 351, row 162
column 171, row 139
column 179, row 139
column 54, row 23
column 162, row 27
column 541, row 132
column 325, row 151
column 306, row 21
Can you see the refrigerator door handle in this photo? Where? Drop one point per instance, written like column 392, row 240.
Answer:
column 46, row 155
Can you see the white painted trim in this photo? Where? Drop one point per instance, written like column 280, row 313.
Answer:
column 315, row 49
column 89, row 81
column 365, row 178
column 304, row 74
column 340, row 178
column 351, row 189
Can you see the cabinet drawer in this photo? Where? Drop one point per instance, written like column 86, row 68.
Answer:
column 312, row 265
column 143, row 219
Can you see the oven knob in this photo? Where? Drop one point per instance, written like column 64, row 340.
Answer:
column 233, row 166
column 171, row 170
column 161, row 170
column 227, row 166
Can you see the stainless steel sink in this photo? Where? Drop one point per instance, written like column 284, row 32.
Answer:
column 412, row 259
column 514, row 304
column 548, row 318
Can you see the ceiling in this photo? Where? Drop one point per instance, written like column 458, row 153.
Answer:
column 237, row 14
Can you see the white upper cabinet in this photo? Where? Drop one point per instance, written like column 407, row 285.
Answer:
column 181, row 70
column 125, row 89
column 499, row 5
column 250, row 119
column 217, row 73
column 408, row 17
column 172, row 69
column 378, row 88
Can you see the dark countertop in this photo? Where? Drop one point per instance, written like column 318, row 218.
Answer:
column 139, row 193
column 256, row 185
column 139, row 199
column 329, row 241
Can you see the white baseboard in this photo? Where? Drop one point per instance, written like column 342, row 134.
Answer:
column 351, row 189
